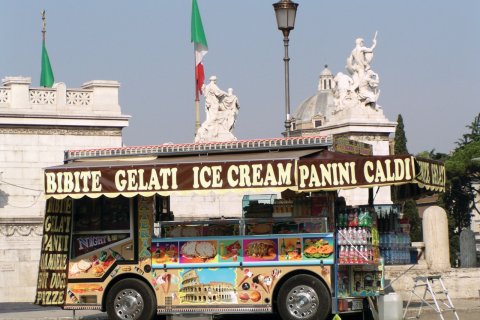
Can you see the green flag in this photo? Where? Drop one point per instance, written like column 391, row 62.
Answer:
column 46, row 77
column 197, row 33
column 201, row 47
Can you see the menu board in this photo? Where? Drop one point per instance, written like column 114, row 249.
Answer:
column 53, row 267
column 266, row 250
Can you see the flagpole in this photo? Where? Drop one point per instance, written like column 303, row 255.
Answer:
column 44, row 26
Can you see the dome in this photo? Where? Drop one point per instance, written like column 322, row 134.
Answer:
column 326, row 72
column 313, row 112
column 321, row 104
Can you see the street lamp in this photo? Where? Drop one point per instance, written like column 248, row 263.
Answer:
column 285, row 11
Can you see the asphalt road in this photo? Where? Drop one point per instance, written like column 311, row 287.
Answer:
column 467, row 310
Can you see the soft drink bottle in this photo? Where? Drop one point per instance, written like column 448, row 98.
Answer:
column 364, row 236
column 360, row 255
column 350, row 235
column 341, row 255
column 350, row 218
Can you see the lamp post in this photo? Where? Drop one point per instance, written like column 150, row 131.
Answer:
column 285, row 11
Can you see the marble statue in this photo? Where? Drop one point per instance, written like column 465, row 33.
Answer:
column 221, row 110
column 358, row 92
column 368, row 91
column 358, row 63
column 230, row 106
column 342, row 90
column 213, row 95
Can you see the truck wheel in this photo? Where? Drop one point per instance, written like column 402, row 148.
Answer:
column 303, row 297
column 131, row 299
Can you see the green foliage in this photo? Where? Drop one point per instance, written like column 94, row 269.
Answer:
column 432, row 155
column 400, row 142
column 410, row 212
column 463, row 171
column 462, row 162
column 399, row 147
column 473, row 135
column 454, row 247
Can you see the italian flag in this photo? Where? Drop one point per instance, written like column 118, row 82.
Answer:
column 201, row 47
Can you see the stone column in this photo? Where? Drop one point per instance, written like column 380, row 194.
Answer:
column 435, row 236
column 468, row 253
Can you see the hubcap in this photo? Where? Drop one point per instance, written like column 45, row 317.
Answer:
column 128, row 304
column 302, row 302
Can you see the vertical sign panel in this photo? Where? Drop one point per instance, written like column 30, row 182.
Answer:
column 53, row 267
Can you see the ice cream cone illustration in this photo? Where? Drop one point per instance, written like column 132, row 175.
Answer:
column 258, row 280
column 164, row 281
column 247, row 274
column 267, row 281
column 275, row 275
column 168, row 281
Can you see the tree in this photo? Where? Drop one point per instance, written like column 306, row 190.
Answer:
column 410, row 210
column 400, row 140
column 463, row 172
column 473, row 135
column 463, row 175
column 399, row 147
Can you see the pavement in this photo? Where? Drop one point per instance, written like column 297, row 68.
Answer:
column 467, row 309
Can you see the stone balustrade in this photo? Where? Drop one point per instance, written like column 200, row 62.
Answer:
column 98, row 97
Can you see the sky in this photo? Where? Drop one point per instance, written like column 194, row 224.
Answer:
column 427, row 59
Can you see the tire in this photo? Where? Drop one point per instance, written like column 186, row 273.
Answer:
column 131, row 299
column 304, row 297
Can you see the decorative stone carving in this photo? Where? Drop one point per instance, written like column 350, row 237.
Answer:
column 4, row 95
column 39, row 96
column 59, row 131
column 20, row 230
column 221, row 113
column 79, row 98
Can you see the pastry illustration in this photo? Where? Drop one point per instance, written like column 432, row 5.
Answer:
column 244, row 297
column 255, row 296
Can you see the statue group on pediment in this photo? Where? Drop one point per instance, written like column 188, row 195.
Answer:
column 360, row 88
column 221, row 110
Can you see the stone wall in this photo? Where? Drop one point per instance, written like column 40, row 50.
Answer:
column 460, row 282
column 36, row 126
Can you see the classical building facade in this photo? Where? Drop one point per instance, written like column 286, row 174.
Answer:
column 36, row 126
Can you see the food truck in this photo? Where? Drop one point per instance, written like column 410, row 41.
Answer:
column 111, row 241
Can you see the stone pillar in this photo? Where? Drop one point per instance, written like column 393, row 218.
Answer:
column 61, row 94
column 435, row 236
column 19, row 86
column 105, row 95
column 468, row 253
